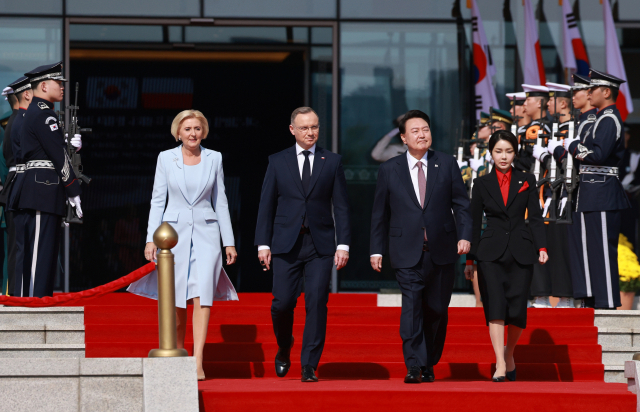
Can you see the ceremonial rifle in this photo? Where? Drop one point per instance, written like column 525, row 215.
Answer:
column 570, row 178
column 76, row 161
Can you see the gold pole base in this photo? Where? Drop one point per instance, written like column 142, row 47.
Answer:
column 167, row 353
column 636, row 356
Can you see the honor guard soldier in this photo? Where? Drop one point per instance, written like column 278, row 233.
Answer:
column 520, row 118
column 483, row 132
column 21, row 92
column 601, row 196
column 534, row 106
column 556, row 280
column 49, row 181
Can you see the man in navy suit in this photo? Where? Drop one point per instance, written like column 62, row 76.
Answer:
column 421, row 214
column 296, row 232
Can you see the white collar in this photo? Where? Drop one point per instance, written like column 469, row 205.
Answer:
column 413, row 160
column 300, row 149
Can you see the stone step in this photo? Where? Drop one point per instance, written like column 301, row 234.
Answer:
column 614, row 374
column 41, row 334
column 616, row 336
column 617, row 318
column 41, row 316
column 617, row 355
column 39, row 350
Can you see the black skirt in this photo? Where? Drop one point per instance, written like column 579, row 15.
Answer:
column 504, row 287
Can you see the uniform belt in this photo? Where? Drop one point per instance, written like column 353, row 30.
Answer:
column 12, row 169
column 40, row 164
column 20, row 168
column 598, row 170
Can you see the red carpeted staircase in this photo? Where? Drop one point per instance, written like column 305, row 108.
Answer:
column 558, row 359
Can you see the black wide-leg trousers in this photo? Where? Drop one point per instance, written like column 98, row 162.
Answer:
column 426, row 293
column 41, row 246
column 289, row 270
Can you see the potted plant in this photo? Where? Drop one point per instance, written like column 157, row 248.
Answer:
column 629, row 273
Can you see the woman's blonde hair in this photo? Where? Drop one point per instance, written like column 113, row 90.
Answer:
column 189, row 114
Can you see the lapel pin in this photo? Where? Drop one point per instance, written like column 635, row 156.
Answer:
column 322, row 158
column 520, row 182
column 436, row 165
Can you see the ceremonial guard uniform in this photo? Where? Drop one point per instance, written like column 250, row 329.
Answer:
column 525, row 160
column 555, row 278
column 12, row 188
column 601, row 198
column 48, row 181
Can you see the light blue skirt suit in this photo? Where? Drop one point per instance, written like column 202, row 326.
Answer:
column 198, row 210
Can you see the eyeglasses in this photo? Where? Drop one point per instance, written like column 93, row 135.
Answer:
column 306, row 129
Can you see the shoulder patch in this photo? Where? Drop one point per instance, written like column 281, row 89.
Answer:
column 43, row 105
column 608, row 111
column 591, row 117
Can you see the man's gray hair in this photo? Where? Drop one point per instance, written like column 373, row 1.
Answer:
column 302, row 110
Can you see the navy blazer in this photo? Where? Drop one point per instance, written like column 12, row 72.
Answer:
column 283, row 203
column 398, row 220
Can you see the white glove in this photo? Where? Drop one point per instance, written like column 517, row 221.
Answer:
column 538, row 151
column 567, row 143
column 518, row 147
column 563, row 203
column 75, row 202
column 475, row 164
column 546, row 207
column 552, row 144
column 76, row 142
column 488, row 158
column 462, row 163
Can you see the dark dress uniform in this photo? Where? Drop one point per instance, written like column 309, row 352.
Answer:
column 576, row 232
column 48, row 181
column 601, row 198
column 8, row 157
column 507, row 249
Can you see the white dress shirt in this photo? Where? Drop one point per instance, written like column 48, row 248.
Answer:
column 300, row 157
column 414, row 169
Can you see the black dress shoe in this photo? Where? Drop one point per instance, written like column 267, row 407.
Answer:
column 512, row 375
column 428, row 375
column 308, row 374
column 498, row 378
column 283, row 360
column 414, row 375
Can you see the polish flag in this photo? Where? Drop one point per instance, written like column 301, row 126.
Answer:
column 533, row 65
column 483, row 68
column 615, row 67
column 575, row 54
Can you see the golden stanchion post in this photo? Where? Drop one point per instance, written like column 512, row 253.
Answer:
column 165, row 238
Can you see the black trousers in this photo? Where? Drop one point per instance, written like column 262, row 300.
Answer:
column 504, row 285
column 289, row 269
column 11, row 251
column 554, row 278
column 426, row 294
column 42, row 243
column 19, row 223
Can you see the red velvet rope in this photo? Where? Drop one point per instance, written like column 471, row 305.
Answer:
column 65, row 298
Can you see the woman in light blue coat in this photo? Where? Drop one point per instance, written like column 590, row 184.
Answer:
column 192, row 180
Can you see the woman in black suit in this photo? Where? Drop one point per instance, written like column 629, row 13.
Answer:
column 507, row 249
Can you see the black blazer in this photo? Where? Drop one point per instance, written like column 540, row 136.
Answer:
column 398, row 220
column 283, row 203
column 506, row 225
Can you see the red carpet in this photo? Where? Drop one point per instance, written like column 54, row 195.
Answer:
column 559, row 359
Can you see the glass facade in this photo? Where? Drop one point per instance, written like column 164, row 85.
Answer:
column 385, row 58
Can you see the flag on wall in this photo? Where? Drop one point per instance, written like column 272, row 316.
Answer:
column 533, row 65
column 575, row 54
column 483, row 68
column 615, row 66
column 167, row 93
column 112, row 92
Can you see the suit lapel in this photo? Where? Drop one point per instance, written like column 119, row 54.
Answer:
column 493, row 187
column 178, row 170
column 517, row 180
column 206, row 171
column 318, row 163
column 402, row 168
column 292, row 161
column 433, row 166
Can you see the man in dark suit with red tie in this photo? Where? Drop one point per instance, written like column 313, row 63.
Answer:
column 421, row 214
column 303, row 211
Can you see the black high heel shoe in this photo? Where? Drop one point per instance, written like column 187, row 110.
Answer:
column 498, row 378
column 512, row 375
